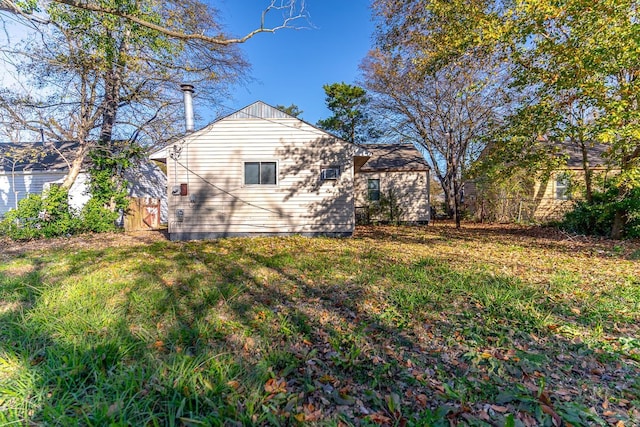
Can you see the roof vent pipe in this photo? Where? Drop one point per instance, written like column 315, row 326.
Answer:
column 187, row 90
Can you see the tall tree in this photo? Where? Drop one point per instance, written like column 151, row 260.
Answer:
column 581, row 59
column 446, row 113
column 350, row 120
column 436, row 79
column 104, row 76
column 575, row 65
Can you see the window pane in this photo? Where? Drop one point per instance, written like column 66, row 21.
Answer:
column 268, row 173
column 374, row 189
column 252, row 173
column 561, row 188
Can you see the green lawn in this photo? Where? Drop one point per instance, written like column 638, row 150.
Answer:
column 396, row 326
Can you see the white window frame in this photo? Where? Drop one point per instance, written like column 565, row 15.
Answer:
column 335, row 173
column 562, row 183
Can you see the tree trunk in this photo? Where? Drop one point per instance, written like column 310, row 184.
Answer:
column 456, row 202
column 113, row 84
column 111, row 103
column 619, row 221
column 76, row 166
column 588, row 173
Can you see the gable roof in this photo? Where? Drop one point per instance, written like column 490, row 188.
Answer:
column 258, row 110
column 394, row 158
column 595, row 154
column 37, row 157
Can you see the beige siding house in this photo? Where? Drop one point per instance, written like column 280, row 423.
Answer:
column 540, row 199
column 260, row 171
column 555, row 196
column 393, row 186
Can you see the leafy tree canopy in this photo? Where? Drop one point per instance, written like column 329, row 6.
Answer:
column 292, row 110
column 350, row 120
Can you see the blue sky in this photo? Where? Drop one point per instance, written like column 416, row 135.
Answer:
column 290, row 66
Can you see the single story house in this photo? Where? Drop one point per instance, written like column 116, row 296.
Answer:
column 542, row 198
column 260, row 171
column 556, row 195
column 393, row 186
column 29, row 168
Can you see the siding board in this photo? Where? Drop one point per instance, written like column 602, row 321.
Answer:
column 410, row 189
column 218, row 203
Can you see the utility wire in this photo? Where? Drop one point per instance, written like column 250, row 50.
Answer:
column 206, row 181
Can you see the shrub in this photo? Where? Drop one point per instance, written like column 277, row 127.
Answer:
column 38, row 216
column 97, row 218
column 49, row 215
column 596, row 217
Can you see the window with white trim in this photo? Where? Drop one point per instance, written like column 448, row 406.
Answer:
column 260, row 173
column 562, row 187
column 331, row 172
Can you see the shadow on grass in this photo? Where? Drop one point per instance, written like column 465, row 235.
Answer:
column 533, row 237
column 275, row 331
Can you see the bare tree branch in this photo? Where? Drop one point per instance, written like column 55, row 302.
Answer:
column 296, row 11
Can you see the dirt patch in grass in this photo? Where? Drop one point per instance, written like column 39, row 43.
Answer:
column 11, row 248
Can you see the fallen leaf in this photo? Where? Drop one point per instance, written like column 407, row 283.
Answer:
column 273, row 386
column 557, row 421
column 379, row 418
column 113, row 410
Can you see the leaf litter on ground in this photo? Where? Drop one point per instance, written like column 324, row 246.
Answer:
column 501, row 325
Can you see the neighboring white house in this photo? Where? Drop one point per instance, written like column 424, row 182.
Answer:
column 260, row 171
column 28, row 168
column 22, row 172
column 393, row 186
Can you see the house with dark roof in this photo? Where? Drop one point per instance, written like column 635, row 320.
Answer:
column 30, row 168
column 555, row 195
column 393, row 185
column 539, row 198
column 260, row 171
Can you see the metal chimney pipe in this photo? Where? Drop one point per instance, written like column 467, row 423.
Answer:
column 187, row 90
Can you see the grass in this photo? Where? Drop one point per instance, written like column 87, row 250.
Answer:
column 396, row 326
